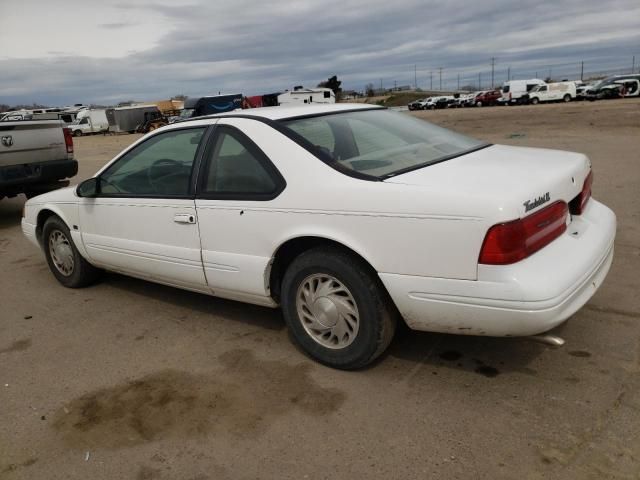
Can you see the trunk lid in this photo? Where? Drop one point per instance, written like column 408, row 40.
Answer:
column 515, row 180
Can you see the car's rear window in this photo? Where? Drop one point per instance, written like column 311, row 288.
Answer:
column 380, row 143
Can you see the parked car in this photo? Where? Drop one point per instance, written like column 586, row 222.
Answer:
column 344, row 216
column 553, row 92
column 581, row 90
column 470, row 99
column 430, row 103
column 488, row 98
column 418, row 104
column 517, row 91
column 35, row 157
column 443, row 102
column 615, row 87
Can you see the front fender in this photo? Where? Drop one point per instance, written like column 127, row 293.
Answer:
column 37, row 213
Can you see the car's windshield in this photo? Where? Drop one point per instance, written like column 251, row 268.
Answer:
column 380, row 142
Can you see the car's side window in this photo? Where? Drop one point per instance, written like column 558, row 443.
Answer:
column 238, row 169
column 161, row 166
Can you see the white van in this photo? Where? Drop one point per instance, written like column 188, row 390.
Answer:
column 90, row 121
column 307, row 95
column 553, row 92
column 516, row 91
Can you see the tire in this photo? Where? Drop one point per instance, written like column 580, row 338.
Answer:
column 534, row 101
column 566, row 98
column 65, row 262
column 77, row 133
column 372, row 315
column 478, row 104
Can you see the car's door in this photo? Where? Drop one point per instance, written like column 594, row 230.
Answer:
column 237, row 182
column 143, row 221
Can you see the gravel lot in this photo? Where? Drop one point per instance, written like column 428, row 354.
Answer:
column 129, row 379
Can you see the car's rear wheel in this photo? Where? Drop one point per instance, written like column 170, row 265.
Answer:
column 534, row 101
column 567, row 98
column 65, row 262
column 77, row 133
column 336, row 308
column 478, row 103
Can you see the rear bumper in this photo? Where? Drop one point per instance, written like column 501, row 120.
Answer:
column 36, row 177
column 526, row 298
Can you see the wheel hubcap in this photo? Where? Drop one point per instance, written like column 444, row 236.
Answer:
column 61, row 252
column 327, row 310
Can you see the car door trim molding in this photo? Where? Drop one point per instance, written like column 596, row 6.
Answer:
column 346, row 213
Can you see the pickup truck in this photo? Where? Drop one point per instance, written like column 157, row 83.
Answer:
column 35, row 157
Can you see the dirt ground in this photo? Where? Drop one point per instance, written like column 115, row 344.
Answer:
column 133, row 380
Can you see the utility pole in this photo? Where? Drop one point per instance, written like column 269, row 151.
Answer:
column 508, row 73
column 493, row 64
column 415, row 77
column 381, row 85
column 549, row 73
column 458, row 81
column 633, row 64
column 582, row 70
column 431, row 81
column 440, row 69
column 395, row 85
column 479, row 80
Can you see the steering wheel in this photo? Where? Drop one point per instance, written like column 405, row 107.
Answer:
column 162, row 163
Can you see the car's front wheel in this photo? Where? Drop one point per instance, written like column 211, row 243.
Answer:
column 65, row 262
column 336, row 308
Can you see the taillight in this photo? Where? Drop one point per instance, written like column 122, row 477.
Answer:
column 511, row 242
column 68, row 139
column 576, row 206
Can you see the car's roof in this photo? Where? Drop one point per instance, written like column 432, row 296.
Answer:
column 282, row 112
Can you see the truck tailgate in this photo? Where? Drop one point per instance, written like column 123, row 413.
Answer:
column 25, row 142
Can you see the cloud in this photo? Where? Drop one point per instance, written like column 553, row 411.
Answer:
column 115, row 25
column 245, row 46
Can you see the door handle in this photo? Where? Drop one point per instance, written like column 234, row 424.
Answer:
column 184, row 218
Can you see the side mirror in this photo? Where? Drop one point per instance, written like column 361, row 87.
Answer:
column 90, row 188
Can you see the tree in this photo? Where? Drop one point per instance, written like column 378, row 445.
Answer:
column 369, row 90
column 334, row 84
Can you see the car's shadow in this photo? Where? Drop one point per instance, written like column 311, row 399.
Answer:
column 11, row 211
column 486, row 356
column 267, row 318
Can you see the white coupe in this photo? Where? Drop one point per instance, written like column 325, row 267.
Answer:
column 349, row 217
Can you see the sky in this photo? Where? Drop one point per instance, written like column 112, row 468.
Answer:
column 60, row 52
